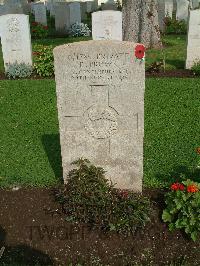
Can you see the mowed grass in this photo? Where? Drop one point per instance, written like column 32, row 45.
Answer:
column 29, row 143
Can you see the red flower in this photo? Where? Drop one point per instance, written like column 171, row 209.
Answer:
column 34, row 23
column 36, row 53
column 33, row 30
column 192, row 189
column 177, row 186
column 139, row 51
column 198, row 150
column 45, row 27
column 123, row 194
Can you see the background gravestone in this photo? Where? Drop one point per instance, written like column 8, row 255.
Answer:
column 182, row 9
column 40, row 13
column 100, row 99
column 75, row 12
column 193, row 39
column 107, row 25
column 62, row 17
column 15, row 39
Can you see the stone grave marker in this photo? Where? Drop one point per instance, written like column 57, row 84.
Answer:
column 193, row 39
column 15, row 39
column 83, row 11
column 109, row 5
column 107, row 25
column 169, row 6
column 75, row 12
column 40, row 13
column 100, row 98
column 182, row 9
column 62, row 17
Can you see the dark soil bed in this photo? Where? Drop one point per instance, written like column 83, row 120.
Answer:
column 34, row 231
column 183, row 73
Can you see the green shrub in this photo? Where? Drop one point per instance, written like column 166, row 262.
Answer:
column 183, row 207
column 43, row 60
column 173, row 26
column 90, row 198
column 196, row 68
column 16, row 70
column 38, row 31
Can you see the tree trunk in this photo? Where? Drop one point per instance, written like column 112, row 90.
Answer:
column 140, row 22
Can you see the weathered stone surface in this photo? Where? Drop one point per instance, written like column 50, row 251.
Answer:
column 75, row 12
column 109, row 5
column 169, row 6
column 100, row 99
column 107, row 25
column 62, row 17
column 83, row 11
column 40, row 13
column 15, row 39
column 182, row 9
column 193, row 39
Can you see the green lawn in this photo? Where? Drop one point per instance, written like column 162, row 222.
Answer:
column 174, row 52
column 29, row 143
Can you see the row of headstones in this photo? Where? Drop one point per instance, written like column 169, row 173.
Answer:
column 14, row 7
column 180, row 7
column 65, row 13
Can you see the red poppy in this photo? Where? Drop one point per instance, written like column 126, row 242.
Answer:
column 139, row 51
column 192, row 189
column 177, row 186
column 198, row 150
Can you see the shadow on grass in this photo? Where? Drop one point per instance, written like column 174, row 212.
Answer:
column 174, row 175
column 21, row 255
column 51, row 143
column 179, row 64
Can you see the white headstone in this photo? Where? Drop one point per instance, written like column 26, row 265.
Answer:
column 75, row 12
column 182, row 9
column 107, row 25
column 169, row 8
column 40, row 13
column 100, row 98
column 62, row 17
column 193, row 39
column 15, row 39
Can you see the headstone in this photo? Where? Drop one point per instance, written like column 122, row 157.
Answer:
column 75, row 12
column 62, row 17
column 15, row 39
column 107, row 25
column 89, row 6
column 83, row 11
column 182, row 9
column 95, row 5
column 100, row 98
column 193, row 39
column 40, row 13
column 165, row 9
column 109, row 5
column 169, row 8
column 195, row 3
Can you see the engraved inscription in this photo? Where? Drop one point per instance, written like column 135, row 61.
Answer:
column 101, row 121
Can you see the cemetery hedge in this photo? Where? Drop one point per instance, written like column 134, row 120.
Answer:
column 29, row 145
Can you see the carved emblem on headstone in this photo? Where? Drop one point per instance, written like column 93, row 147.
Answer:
column 101, row 122
column 13, row 24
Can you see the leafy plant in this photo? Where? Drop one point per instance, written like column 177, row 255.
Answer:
column 38, row 31
column 17, row 70
column 174, row 26
column 90, row 198
column 183, row 207
column 43, row 60
column 79, row 29
column 196, row 68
